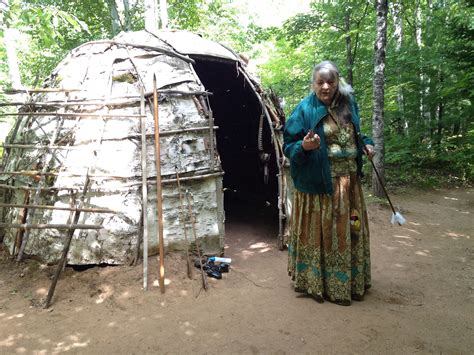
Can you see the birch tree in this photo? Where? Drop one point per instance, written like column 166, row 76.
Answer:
column 164, row 13
column 381, row 8
column 11, row 37
column 114, row 17
column 151, row 15
column 397, row 11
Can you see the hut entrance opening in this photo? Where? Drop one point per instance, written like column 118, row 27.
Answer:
column 250, row 184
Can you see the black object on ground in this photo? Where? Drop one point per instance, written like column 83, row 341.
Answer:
column 212, row 269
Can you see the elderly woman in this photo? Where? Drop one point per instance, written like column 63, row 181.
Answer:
column 329, row 254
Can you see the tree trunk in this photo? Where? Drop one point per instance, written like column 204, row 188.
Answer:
column 349, row 57
column 381, row 7
column 115, row 18
column 10, row 37
column 126, row 16
column 402, row 126
column 164, row 13
column 151, row 15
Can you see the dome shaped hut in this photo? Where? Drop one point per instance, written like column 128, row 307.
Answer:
column 73, row 160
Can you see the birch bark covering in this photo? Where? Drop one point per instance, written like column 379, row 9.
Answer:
column 107, row 149
column 381, row 7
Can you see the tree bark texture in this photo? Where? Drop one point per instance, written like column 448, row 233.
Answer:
column 397, row 11
column 151, row 15
column 381, row 7
column 349, row 58
column 10, row 37
column 115, row 18
column 164, row 13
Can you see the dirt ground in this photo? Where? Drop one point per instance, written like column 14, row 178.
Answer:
column 421, row 301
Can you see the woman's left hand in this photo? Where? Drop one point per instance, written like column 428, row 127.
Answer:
column 369, row 150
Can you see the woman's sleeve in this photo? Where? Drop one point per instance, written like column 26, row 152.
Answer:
column 293, row 137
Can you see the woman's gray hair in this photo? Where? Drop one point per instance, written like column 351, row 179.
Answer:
column 343, row 87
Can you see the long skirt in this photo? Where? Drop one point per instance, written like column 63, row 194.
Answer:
column 329, row 251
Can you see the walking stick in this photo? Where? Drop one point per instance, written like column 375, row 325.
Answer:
column 159, row 194
column 191, row 216
column 396, row 216
column 188, row 259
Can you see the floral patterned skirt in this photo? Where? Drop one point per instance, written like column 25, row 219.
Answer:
column 329, row 251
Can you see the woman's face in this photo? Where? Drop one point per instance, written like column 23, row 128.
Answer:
column 325, row 85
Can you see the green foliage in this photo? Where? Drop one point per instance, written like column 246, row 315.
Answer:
column 428, row 91
column 429, row 73
column 185, row 14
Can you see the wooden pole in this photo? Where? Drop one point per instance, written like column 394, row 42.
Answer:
column 28, row 226
column 144, row 194
column 198, row 247
column 159, row 194
column 22, row 214
column 59, row 208
column 62, row 262
column 67, row 244
column 183, row 213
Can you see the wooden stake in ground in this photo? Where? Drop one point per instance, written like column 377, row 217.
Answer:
column 159, row 194
column 198, row 247
column 144, row 192
column 183, row 213
column 67, row 244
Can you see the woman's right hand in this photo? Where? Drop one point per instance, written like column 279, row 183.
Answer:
column 311, row 141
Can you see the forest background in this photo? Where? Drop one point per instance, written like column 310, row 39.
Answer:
column 428, row 130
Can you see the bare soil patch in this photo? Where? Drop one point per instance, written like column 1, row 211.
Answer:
column 422, row 299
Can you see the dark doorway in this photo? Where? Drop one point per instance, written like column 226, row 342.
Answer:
column 237, row 112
